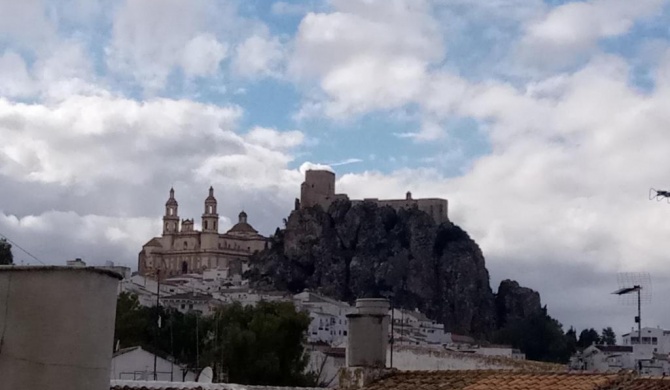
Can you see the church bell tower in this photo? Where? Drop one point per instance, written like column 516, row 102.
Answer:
column 171, row 217
column 210, row 218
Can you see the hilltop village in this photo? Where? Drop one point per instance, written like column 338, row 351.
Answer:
column 361, row 343
column 198, row 271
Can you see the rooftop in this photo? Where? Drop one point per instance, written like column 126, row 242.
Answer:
column 508, row 380
column 158, row 385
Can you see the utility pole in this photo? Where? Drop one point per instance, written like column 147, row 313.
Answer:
column 392, row 335
column 197, row 343
column 158, row 318
column 639, row 315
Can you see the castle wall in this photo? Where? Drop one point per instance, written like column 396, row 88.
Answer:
column 319, row 188
column 436, row 208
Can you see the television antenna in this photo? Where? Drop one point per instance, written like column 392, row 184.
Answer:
column 659, row 195
column 634, row 288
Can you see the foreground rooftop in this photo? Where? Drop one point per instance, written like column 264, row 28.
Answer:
column 509, row 380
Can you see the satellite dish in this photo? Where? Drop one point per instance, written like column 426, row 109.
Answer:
column 205, row 375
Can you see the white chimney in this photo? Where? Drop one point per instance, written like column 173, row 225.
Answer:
column 56, row 327
column 368, row 333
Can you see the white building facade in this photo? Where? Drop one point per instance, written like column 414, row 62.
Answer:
column 135, row 363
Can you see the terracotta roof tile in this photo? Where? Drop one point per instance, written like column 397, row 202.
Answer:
column 502, row 380
column 160, row 385
column 649, row 384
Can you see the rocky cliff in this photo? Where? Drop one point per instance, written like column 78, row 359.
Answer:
column 362, row 250
column 514, row 302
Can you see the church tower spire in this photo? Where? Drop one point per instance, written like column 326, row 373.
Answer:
column 171, row 217
column 210, row 218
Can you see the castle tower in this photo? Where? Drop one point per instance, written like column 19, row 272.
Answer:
column 171, row 217
column 318, row 188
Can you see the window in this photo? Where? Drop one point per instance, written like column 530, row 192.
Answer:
column 209, row 209
column 185, row 244
column 183, row 306
column 344, row 333
column 171, row 211
column 205, row 224
column 190, row 306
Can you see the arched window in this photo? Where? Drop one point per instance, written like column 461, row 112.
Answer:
column 209, row 209
column 185, row 244
column 205, row 225
column 184, row 267
column 171, row 211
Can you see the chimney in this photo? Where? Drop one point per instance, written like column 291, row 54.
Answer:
column 56, row 327
column 368, row 333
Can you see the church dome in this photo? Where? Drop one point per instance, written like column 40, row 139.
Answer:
column 242, row 226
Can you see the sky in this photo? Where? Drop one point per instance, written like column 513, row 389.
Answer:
column 544, row 124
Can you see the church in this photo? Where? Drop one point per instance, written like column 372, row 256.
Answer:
column 181, row 249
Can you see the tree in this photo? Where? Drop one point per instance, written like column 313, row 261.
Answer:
column 261, row 345
column 6, row 257
column 539, row 336
column 608, row 336
column 588, row 337
column 571, row 340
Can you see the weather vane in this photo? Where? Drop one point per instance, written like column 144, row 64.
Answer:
column 659, row 194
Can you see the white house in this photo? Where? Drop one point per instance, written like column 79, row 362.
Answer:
column 654, row 340
column 134, row 363
column 190, row 302
column 329, row 322
column 605, row 358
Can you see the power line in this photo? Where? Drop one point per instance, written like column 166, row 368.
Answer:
column 19, row 246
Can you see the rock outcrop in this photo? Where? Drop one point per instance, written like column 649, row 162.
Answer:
column 362, row 250
column 514, row 302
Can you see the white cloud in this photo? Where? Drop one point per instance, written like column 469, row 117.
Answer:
column 150, row 39
column 306, row 166
column 27, row 23
column 202, row 55
column 573, row 29
column 366, row 56
column 259, row 56
column 54, row 237
column 274, row 139
column 346, row 162
column 15, row 80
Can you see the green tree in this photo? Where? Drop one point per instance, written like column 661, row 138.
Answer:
column 6, row 257
column 539, row 336
column 608, row 336
column 571, row 340
column 261, row 345
column 587, row 337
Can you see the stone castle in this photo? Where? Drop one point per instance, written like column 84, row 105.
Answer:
column 319, row 189
column 182, row 249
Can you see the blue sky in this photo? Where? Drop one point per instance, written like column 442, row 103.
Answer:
column 544, row 124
